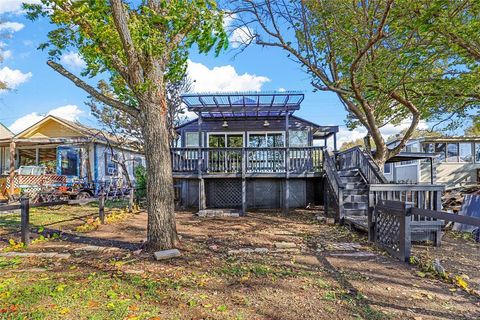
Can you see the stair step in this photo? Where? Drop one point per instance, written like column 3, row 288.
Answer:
column 355, row 186
column 355, row 205
column 355, row 212
column 348, row 173
column 355, row 198
column 355, row 192
column 351, row 179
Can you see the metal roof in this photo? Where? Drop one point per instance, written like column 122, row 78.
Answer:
column 406, row 156
column 243, row 104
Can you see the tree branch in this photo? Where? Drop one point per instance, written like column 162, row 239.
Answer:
column 92, row 91
column 121, row 24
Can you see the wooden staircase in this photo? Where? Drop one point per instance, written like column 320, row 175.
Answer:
column 354, row 184
column 355, row 193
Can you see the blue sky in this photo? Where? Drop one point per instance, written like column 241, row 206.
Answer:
column 38, row 90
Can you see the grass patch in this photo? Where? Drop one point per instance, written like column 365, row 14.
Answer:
column 74, row 296
column 248, row 269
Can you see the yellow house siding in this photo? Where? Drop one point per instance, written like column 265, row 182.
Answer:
column 51, row 129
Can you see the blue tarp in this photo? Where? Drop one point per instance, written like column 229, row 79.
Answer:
column 471, row 208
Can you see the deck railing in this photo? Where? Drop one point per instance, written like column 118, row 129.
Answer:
column 257, row 160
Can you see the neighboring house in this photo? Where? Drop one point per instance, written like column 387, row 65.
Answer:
column 248, row 150
column 69, row 149
column 456, row 161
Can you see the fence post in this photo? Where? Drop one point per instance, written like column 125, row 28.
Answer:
column 130, row 200
column 371, row 220
column 406, row 233
column 25, row 220
column 101, row 207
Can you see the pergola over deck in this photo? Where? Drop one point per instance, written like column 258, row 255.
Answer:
column 227, row 105
column 254, row 105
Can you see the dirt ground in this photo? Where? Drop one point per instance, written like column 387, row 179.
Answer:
column 304, row 270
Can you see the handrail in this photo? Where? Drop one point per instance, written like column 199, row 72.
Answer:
column 355, row 158
column 330, row 168
column 406, row 187
column 333, row 181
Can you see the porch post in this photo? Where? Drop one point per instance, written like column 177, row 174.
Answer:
column 335, row 141
column 37, row 156
column 12, row 168
column 244, row 171
column 286, row 200
column 201, row 182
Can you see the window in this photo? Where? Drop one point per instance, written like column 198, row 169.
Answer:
column 440, row 149
column 191, row 139
column 465, row 152
column 216, row 141
column 477, row 152
column 452, row 152
column 111, row 166
column 387, row 168
column 235, row 140
column 414, row 147
column 231, row 140
column 428, row 147
column 298, row 138
column 69, row 162
column 262, row 140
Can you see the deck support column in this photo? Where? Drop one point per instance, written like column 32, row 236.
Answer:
column 11, row 172
column 244, row 181
column 335, row 142
column 286, row 200
column 432, row 178
column 201, row 182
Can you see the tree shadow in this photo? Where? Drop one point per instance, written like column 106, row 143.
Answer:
column 95, row 241
column 367, row 303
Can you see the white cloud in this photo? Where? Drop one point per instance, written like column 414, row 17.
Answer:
column 68, row 112
column 73, row 60
column 7, row 54
column 222, row 79
column 13, row 78
column 238, row 34
column 11, row 26
column 281, row 90
column 345, row 135
column 14, row 6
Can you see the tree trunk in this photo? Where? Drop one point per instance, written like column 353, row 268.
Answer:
column 161, row 229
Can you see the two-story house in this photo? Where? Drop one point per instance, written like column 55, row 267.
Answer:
column 249, row 150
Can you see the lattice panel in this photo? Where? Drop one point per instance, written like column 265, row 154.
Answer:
column 392, row 229
column 388, row 229
column 224, row 193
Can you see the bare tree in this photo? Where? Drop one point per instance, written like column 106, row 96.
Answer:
column 382, row 71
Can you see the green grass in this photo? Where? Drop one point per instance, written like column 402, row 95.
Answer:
column 243, row 269
column 44, row 216
column 74, row 295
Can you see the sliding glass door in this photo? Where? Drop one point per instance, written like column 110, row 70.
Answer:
column 264, row 155
column 225, row 154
